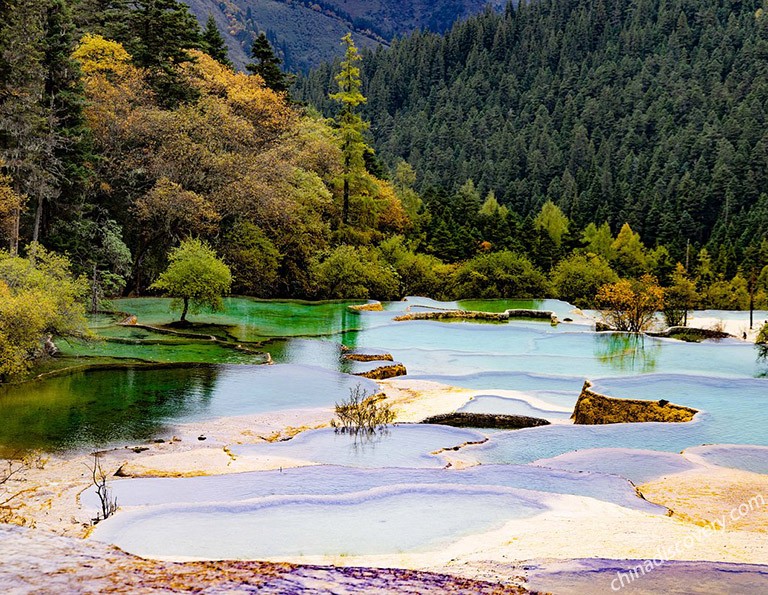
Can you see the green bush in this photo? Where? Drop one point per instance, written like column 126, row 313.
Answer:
column 497, row 275
column 350, row 272
column 578, row 278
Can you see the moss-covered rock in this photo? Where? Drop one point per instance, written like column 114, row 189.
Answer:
column 373, row 307
column 477, row 315
column 368, row 357
column 692, row 335
column 593, row 408
column 384, row 372
column 453, row 315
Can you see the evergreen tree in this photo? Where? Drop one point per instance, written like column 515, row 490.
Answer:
column 22, row 117
column 267, row 65
column 351, row 125
column 108, row 18
column 160, row 33
column 69, row 148
column 212, row 43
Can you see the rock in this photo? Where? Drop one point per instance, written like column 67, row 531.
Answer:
column 369, row 357
column 601, row 327
column 384, row 372
column 49, row 348
column 374, row 307
column 453, row 315
column 593, row 409
column 464, row 419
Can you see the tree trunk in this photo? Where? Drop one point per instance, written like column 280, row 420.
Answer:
column 38, row 217
column 94, row 292
column 345, row 204
column 15, row 231
column 184, row 311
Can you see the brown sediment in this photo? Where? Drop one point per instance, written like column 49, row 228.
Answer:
column 708, row 496
column 384, row 372
column 593, row 409
column 373, row 307
column 368, row 357
column 70, row 565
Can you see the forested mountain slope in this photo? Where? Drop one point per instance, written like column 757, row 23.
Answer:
column 307, row 32
column 651, row 112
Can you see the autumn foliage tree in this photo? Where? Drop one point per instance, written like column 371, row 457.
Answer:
column 39, row 298
column 630, row 304
column 680, row 297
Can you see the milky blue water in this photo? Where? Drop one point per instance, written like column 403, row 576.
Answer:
column 333, row 480
column 395, row 485
column 403, row 445
column 387, row 520
column 746, row 458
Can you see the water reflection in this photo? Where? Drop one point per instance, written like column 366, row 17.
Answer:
column 627, row 352
column 102, row 406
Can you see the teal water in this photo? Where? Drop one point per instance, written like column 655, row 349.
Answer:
column 550, row 363
column 392, row 485
column 249, row 319
column 101, row 407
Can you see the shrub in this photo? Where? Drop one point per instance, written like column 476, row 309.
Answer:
column 499, row 274
column 631, row 304
column 362, row 413
column 578, row 278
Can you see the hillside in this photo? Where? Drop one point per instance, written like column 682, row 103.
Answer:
column 649, row 112
column 308, row 33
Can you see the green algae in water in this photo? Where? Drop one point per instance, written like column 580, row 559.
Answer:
column 125, row 403
column 99, row 407
column 251, row 320
column 166, row 350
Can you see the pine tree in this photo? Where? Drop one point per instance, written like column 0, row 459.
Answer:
column 351, row 125
column 212, row 43
column 108, row 18
column 267, row 65
column 161, row 32
column 69, row 148
column 22, row 118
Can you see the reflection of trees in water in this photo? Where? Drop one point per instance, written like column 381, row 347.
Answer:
column 627, row 351
column 762, row 357
column 366, row 442
column 103, row 406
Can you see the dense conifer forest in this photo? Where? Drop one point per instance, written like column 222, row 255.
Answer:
column 651, row 113
column 599, row 152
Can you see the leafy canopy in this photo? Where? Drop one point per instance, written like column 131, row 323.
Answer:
column 195, row 277
column 38, row 298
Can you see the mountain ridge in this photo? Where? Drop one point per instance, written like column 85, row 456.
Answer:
column 306, row 33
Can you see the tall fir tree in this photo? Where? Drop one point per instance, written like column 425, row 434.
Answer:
column 108, row 18
column 160, row 34
column 212, row 43
column 267, row 65
column 351, row 125
column 23, row 123
column 69, row 151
